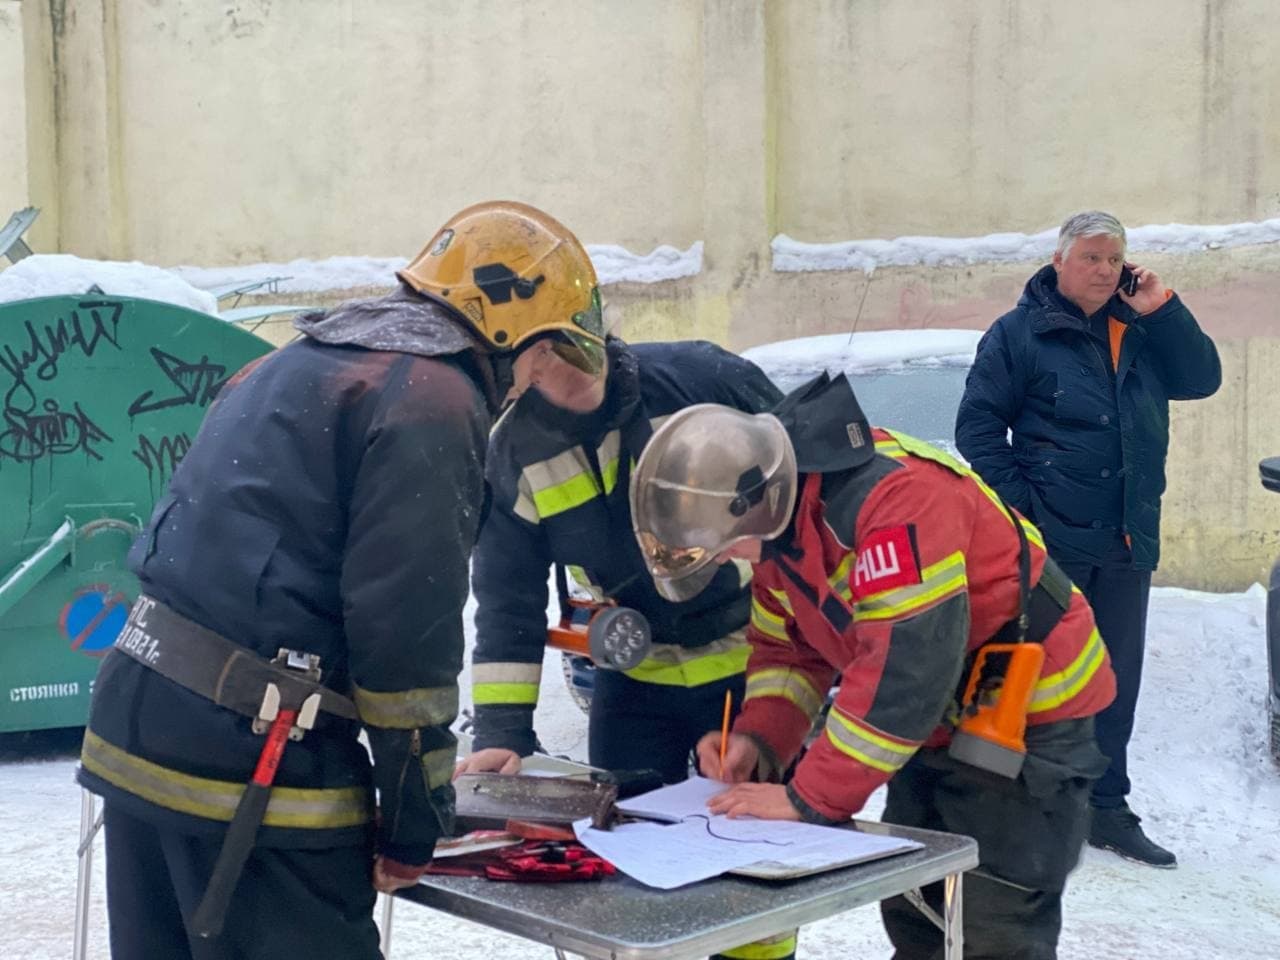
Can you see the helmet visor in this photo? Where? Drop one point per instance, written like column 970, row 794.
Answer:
column 667, row 561
column 578, row 351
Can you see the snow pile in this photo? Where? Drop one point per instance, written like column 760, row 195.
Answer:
column 866, row 255
column 613, row 264
column 58, row 274
column 867, row 352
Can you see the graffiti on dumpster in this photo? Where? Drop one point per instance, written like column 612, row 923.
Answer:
column 196, row 383
column 162, row 458
column 32, row 429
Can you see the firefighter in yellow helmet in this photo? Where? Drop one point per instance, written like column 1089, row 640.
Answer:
column 314, row 543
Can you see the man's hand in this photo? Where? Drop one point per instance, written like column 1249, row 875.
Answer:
column 1151, row 293
column 766, row 801
column 390, row 876
column 740, row 757
column 489, row 760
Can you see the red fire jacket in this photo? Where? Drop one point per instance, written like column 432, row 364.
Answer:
column 900, row 568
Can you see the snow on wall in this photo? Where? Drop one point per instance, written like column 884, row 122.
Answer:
column 791, row 255
column 613, row 264
column 58, row 274
column 870, row 351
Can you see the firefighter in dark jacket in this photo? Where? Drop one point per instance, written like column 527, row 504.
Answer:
column 304, row 578
column 559, row 469
column 886, row 561
column 1066, row 414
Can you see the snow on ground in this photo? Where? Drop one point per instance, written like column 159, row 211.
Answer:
column 791, row 255
column 1204, row 783
column 56, row 274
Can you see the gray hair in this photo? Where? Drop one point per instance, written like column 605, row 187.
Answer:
column 1091, row 223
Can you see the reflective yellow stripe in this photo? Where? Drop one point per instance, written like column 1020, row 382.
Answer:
column 1056, row 689
column 865, row 745
column 927, row 451
column 781, row 599
column 565, row 496
column 561, row 482
column 768, row 622
column 437, row 766
column 495, row 684
column 786, row 683
column 771, row 948
column 938, row 581
column 607, row 457
column 839, row 580
column 677, row 666
column 890, row 448
column 408, row 709
column 216, row 799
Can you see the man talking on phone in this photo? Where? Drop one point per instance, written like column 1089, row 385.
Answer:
column 1066, row 414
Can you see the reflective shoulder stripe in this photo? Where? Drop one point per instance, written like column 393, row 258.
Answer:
column 938, row 581
column 769, row 623
column 745, row 571
column 788, row 684
column 866, row 744
column 676, row 666
column 1055, row 689
column 319, row 809
column 496, row 684
column 926, row 451
column 408, row 709
column 524, row 507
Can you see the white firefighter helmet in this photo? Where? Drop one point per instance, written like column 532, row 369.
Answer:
column 710, row 476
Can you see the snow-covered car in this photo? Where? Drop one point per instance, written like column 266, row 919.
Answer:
column 1270, row 469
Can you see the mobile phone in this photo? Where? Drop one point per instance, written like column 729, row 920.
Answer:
column 1128, row 284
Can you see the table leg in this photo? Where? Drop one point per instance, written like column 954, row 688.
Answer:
column 384, row 943
column 953, row 916
column 90, row 824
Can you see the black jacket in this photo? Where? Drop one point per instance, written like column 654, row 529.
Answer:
column 329, row 504
column 1089, row 438
column 560, row 487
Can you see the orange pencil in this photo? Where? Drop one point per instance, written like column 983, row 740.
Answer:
column 724, row 729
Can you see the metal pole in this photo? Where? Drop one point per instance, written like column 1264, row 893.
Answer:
column 84, row 873
column 953, row 916
column 384, row 944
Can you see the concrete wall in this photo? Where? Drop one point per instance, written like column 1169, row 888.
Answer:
column 13, row 111
column 241, row 131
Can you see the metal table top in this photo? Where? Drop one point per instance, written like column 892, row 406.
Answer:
column 620, row 919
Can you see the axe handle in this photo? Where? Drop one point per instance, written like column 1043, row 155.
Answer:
column 243, row 830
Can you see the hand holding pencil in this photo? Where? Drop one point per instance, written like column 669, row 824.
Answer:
column 726, row 756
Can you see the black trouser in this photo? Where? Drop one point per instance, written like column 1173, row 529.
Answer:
column 1118, row 595
column 1029, row 832
column 654, row 726
column 312, row 904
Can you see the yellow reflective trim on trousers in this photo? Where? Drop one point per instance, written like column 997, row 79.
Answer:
column 437, row 766
column 937, row 581
column 319, row 809
column 676, row 666
column 770, row 948
column 408, row 709
column 865, row 746
column 498, row 694
column 1057, row 688
column 768, row 623
column 786, row 683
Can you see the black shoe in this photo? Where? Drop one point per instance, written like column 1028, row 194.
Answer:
column 1117, row 829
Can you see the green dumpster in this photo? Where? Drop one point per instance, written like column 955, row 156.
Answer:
column 100, row 397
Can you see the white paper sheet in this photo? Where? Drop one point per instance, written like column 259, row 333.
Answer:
column 675, row 801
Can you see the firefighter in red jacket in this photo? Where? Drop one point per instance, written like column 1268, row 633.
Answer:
column 887, row 563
